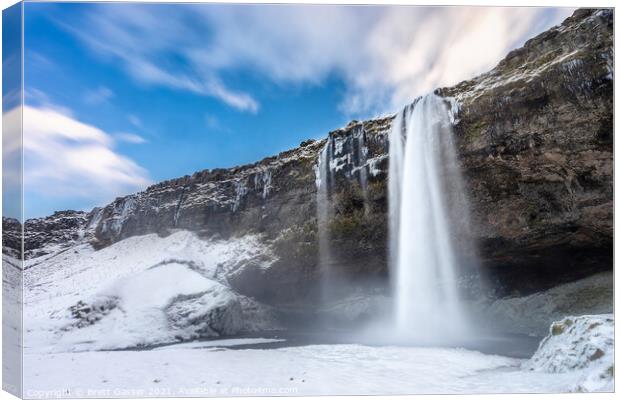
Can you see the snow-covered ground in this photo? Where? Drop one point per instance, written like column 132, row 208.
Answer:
column 118, row 322
column 304, row 370
column 11, row 323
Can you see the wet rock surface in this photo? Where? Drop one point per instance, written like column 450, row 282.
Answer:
column 534, row 313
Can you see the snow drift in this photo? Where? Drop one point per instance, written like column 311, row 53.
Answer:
column 583, row 345
column 142, row 291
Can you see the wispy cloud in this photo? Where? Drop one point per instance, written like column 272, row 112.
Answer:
column 11, row 162
column 64, row 157
column 99, row 95
column 214, row 124
column 136, row 36
column 130, row 138
column 212, row 121
column 385, row 55
column 134, row 120
column 40, row 99
column 37, row 60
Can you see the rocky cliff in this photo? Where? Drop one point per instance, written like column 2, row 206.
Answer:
column 535, row 140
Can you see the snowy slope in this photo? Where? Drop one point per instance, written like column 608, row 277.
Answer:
column 141, row 291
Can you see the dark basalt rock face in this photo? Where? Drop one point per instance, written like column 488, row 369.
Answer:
column 62, row 228
column 56, row 232
column 262, row 197
column 535, row 140
column 11, row 237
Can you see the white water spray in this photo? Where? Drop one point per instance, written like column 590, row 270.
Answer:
column 425, row 193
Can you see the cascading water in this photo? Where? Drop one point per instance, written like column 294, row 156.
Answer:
column 342, row 157
column 323, row 213
column 428, row 209
column 360, row 155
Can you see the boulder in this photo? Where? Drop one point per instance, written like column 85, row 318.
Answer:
column 582, row 345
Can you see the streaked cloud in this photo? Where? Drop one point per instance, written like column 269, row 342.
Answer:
column 38, row 61
column 214, row 125
column 99, row 95
column 11, row 162
column 134, row 120
column 386, row 56
column 212, row 121
column 64, row 157
column 136, row 36
column 130, row 138
column 11, row 146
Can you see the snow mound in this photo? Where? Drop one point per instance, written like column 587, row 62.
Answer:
column 133, row 311
column 212, row 313
column 141, row 292
column 584, row 343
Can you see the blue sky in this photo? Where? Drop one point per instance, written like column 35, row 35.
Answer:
column 11, row 78
column 123, row 95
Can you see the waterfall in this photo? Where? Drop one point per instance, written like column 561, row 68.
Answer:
column 324, row 213
column 360, row 157
column 428, row 211
column 343, row 158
